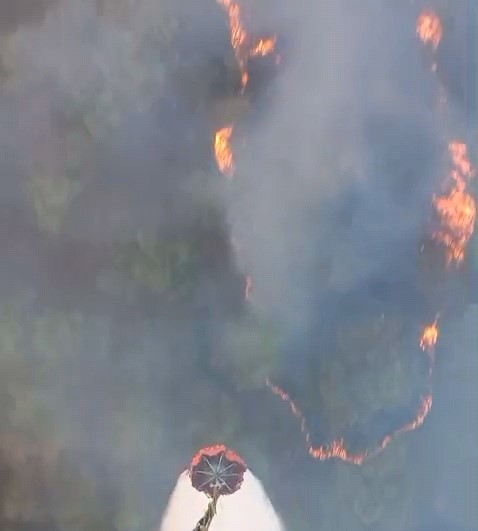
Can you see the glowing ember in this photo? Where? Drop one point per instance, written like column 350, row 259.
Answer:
column 429, row 28
column 241, row 42
column 223, row 150
column 456, row 210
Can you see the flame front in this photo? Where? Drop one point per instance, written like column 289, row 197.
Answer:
column 337, row 449
column 429, row 28
column 244, row 47
column 223, row 150
column 456, row 209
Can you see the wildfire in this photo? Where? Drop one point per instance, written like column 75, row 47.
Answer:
column 337, row 449
column 456, row 209
column 429, row 28
column 223, row 150
column 244, row 46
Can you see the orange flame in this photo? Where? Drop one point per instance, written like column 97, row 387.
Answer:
column 223, row 150
column 429, row 28
column 263, row 47
column 244, row 48
column 459, row 156
column 428, row 340
column 429, row 336
column 456, row 209
column 241, row 42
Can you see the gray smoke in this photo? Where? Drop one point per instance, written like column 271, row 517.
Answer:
column 125, row 340
column 342, row 167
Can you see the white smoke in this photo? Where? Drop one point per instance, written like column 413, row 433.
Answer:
column 248, row 508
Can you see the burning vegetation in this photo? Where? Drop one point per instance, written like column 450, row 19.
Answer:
column 429, row 28
column 429, row 336
column 243, row 44
column 223, row 150
column 245, row 47
column 456, row 208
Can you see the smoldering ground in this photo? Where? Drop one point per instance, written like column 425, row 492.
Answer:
column 126, row 342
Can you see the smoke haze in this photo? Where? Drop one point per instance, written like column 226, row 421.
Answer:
column 126, row 342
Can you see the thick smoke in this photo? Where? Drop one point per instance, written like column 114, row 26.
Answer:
column 341, row 169
column 125, row 339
